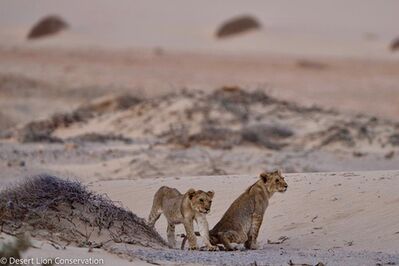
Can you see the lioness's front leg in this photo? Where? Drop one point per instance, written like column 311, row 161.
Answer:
column 204, row 232
column 192, row 239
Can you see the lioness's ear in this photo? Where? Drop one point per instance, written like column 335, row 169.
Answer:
column 210, row 193
column 264, row 176
column 190, row 193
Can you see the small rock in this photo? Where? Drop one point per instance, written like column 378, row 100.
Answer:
column 394, row 139
column 358, row 154
column 395, row 45
column 19, row 163
column 390, row 155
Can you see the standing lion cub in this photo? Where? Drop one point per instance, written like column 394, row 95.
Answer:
column 183, row 208
column 241, row 222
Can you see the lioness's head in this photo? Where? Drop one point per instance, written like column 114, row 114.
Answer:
column 201, row 201
column 274, row 181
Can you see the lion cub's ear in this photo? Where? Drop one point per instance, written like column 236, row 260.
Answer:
column 210, row 193
column 191, row 193
column 264, row 176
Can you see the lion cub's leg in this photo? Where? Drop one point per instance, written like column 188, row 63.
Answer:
column 192, row 239
column 229, row 237
column 204, row 232
column 256, row 222
column 171, row 235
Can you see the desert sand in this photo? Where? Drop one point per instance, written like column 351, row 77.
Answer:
column 320, row 213
column 140, row 94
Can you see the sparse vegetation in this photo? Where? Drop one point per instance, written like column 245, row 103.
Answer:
column 63, row 210
column 41, row 131
column 223, row 119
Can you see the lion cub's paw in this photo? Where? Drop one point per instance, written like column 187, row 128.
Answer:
column 193, row 248
column 209, row 248
column 253, row 246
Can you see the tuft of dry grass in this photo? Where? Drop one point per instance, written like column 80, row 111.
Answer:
column 63, row 210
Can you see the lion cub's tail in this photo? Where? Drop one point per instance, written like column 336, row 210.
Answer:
column 156, row 209
column 213, row 237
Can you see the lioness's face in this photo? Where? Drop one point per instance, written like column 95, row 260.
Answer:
column 274, row 181
column 201, row 201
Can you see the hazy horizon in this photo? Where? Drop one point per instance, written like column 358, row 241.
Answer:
column 190, row 25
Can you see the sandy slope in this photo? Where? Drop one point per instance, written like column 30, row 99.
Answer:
column 338, row 218
column 45, row 250
column 320, row 212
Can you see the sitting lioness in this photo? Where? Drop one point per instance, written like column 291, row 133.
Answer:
column 241, row 222
column 178, row 208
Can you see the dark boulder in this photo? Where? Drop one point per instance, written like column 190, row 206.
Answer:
column 237, row 25
column 48, row 25
column 395, row 45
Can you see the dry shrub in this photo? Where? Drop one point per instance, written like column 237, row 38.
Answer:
column 63, row 210
column 219, row 138
column 5, row 122
column 41, row 131
column 100, row 138
column 268, row 136
column 218, row 133
column 394, row 139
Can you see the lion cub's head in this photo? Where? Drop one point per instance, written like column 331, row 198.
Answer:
column 201, row 201
column 274, row 181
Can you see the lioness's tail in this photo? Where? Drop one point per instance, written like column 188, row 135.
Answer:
column 156, row 209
